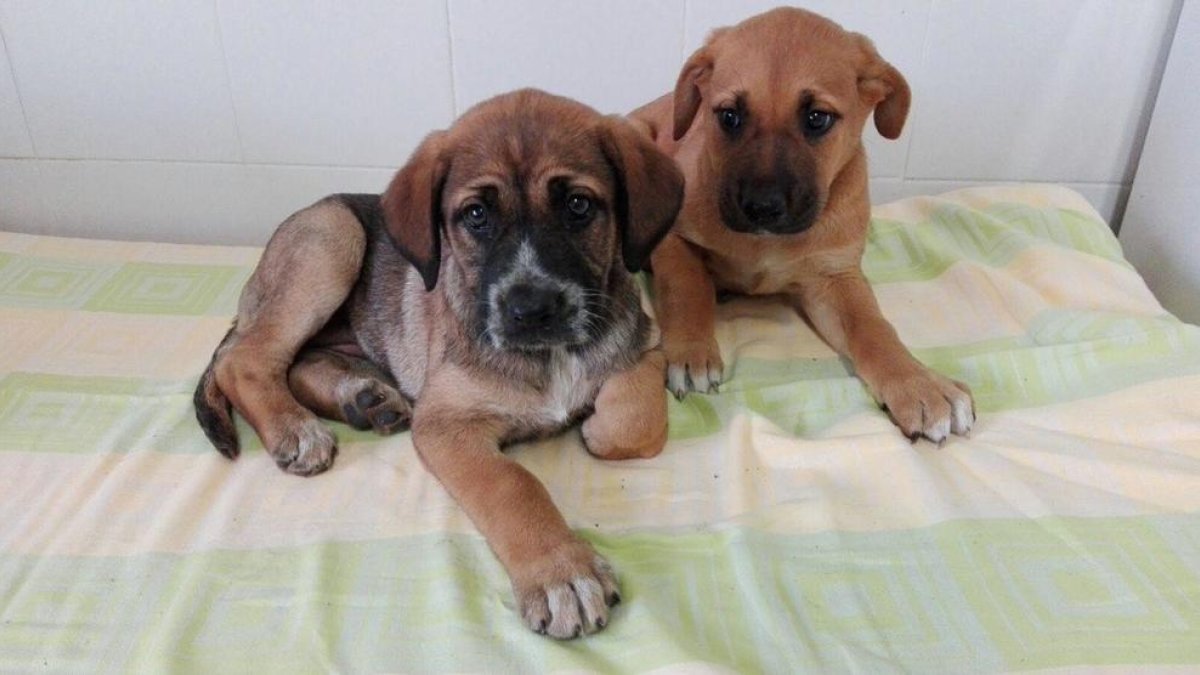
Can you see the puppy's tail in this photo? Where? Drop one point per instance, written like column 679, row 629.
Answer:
column 213, row 410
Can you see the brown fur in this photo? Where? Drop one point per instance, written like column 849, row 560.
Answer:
column 778, row 66
column 368, row 310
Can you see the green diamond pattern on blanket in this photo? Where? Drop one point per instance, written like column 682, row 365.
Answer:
column 1066, row 355
column 149, row 288
column 51, row 413
column 961, row 596
column 787, row 527
column 1079, row 591
column 34, row 282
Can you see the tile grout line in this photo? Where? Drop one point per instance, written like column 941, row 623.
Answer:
column 12, row 73
column 237, row 127
column 370, row 167
column 196, row 162
column 454, row 103
column 912, row 136
column 683, row 34
column 1003, row 181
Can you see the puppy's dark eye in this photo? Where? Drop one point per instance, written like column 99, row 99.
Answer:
column 475, row 216
column 579, row 207
column 818, row 122
column 730, row 119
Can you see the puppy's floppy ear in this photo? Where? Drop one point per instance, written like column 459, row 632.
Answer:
column 412, row 207
column 692, row 76
column 649, row 189
column 882, row 86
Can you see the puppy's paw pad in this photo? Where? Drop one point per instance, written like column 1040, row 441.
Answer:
column 306, row 449
column 371, row 404
column 568, row 593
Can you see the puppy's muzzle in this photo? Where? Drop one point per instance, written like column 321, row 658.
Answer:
column 769, row 207
column 536, row 314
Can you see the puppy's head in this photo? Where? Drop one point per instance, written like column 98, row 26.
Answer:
column 779, row 102
column 532, row 209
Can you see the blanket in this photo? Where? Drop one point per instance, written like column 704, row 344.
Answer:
column 787, row 526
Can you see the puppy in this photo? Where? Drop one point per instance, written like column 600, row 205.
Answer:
column 488, row 297
column 766, row 121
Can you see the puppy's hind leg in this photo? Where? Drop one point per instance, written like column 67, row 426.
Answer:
column 306, row 272
column 350, row 389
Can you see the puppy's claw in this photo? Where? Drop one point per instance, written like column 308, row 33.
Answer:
column 677, row 380
column 703, row 379
column 938, row 431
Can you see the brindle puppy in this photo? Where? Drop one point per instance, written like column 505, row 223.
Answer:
column 488, row 295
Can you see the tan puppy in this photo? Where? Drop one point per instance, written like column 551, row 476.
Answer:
column 766, row 122
column 488, row 295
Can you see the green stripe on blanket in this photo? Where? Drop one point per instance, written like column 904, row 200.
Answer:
column 895, row 251
column 964, row 596
column 51, row 284
column 899, row 251
column 129, row 288
column 1067, row 355
column 149, row 288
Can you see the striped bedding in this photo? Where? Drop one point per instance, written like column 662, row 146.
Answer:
column 787, row 526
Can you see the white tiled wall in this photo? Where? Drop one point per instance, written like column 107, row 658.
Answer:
column 613, row 55
column 124, row 80
column 346, row 84
column 211, row 120
column 1058, row 90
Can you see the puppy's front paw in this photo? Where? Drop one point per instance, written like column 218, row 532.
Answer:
column 927, row 404
column 566, row 593
column 693, row 366
column 305, row 447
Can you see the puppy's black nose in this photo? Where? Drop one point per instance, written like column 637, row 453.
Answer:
column 528, row 306
column 762, row 203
